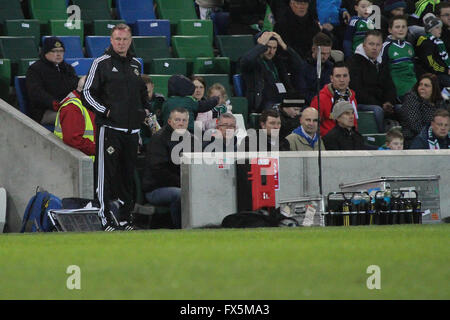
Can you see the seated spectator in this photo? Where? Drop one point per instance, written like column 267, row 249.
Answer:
column 180, row 94
column 394, row 140
column 431, row 51
column 305, row 137
column 156, row 99
column 371, row 80
column 267, row 138
column 436, row 135
column 265, row 76
column 337, row 90
column 48, row 81
column 297, row 26
column 358, row 27
column 391, row 8
column 306, row 77
column 224, row 139
column 420, row 105
column 200, row 87
column 398, row 54
column 444, row 14
column 422, row 8
column 209, row 119
column 290, row 110
column 161, row 180
column 206, row 7
column 333, row 17
column 344, row 136
column 75, row 124
column 246, row 16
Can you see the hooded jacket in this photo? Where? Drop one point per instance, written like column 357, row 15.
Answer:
column 47, row 84
column 326, row 107
column 114, row 85
column 372, row 83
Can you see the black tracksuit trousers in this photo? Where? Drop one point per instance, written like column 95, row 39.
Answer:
column 115, row 164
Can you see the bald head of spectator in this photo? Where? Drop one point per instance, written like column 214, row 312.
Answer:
column 309, row 121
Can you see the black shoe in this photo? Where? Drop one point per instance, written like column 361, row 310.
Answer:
column 127, row 226
column 110, row 227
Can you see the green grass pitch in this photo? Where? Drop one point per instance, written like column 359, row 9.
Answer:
column 278, row 263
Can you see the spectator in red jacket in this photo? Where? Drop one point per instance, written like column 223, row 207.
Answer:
column 337, row 90
column 74, row 121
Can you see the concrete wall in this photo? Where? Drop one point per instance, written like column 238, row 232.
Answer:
column 32, row 156
column 299, row 177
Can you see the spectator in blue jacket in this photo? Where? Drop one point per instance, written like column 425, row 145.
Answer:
column 333, row 17
column 306, row 78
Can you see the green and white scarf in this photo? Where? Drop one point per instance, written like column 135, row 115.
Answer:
column 433, row 142
column 442, row 50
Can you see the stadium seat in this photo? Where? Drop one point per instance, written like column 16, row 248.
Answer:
column 153, row 27
column 149, row 48
column 5, row 78
column 103, row 27
column 211, row 65
column 10, row 9
column 48, row 10
column 240, row 105
column 72, row 46
column 132, row 10
column 254, row 120
column 192, row 47
column 23, row 28
column 24, row 64
column 96, row 45
column 93, row 10
column 161, row 83
column 223, row 79
column 238, row 85
column 221, row 21
column 169, row 66
column 175, row 10
column 234, row 47
column 22, row 97
column 16, row 48
column 375, row 139
column 195, row 27
column 366, row 122
column 81, row 65
column 62, row 28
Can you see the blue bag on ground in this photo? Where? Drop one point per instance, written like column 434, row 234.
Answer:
column 36, row 213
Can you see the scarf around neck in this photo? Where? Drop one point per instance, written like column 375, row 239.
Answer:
column 302, row 133
column 442, row 50
column 433, row 141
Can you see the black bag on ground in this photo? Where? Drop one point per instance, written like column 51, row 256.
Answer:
column 258, row 219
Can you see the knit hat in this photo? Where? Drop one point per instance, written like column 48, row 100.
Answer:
column 52, row 43
column 390, row 5
column 292, row 99
column 339, row 108
column 430, row 21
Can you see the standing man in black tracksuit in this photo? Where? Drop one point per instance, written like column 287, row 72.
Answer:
column 116, row 92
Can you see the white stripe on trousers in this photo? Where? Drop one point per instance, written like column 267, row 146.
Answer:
column 101, row 173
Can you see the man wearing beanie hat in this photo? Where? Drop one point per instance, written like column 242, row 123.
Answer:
column 49, row 80
column 431, row 52
column 290, row 110
column 344, row 136
column 392, row 8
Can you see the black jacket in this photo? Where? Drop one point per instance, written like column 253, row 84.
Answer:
column 342, row 139
column 160, row 171
column 283, row 144
column 371, row 85
column 114, row 84
column 259, row 83
column 288, row 124
column 46, row 83
column 298, row 32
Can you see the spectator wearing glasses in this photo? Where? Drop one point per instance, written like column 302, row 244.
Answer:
column 49, row 80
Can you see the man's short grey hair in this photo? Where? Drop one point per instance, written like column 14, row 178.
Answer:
column 227, row 116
